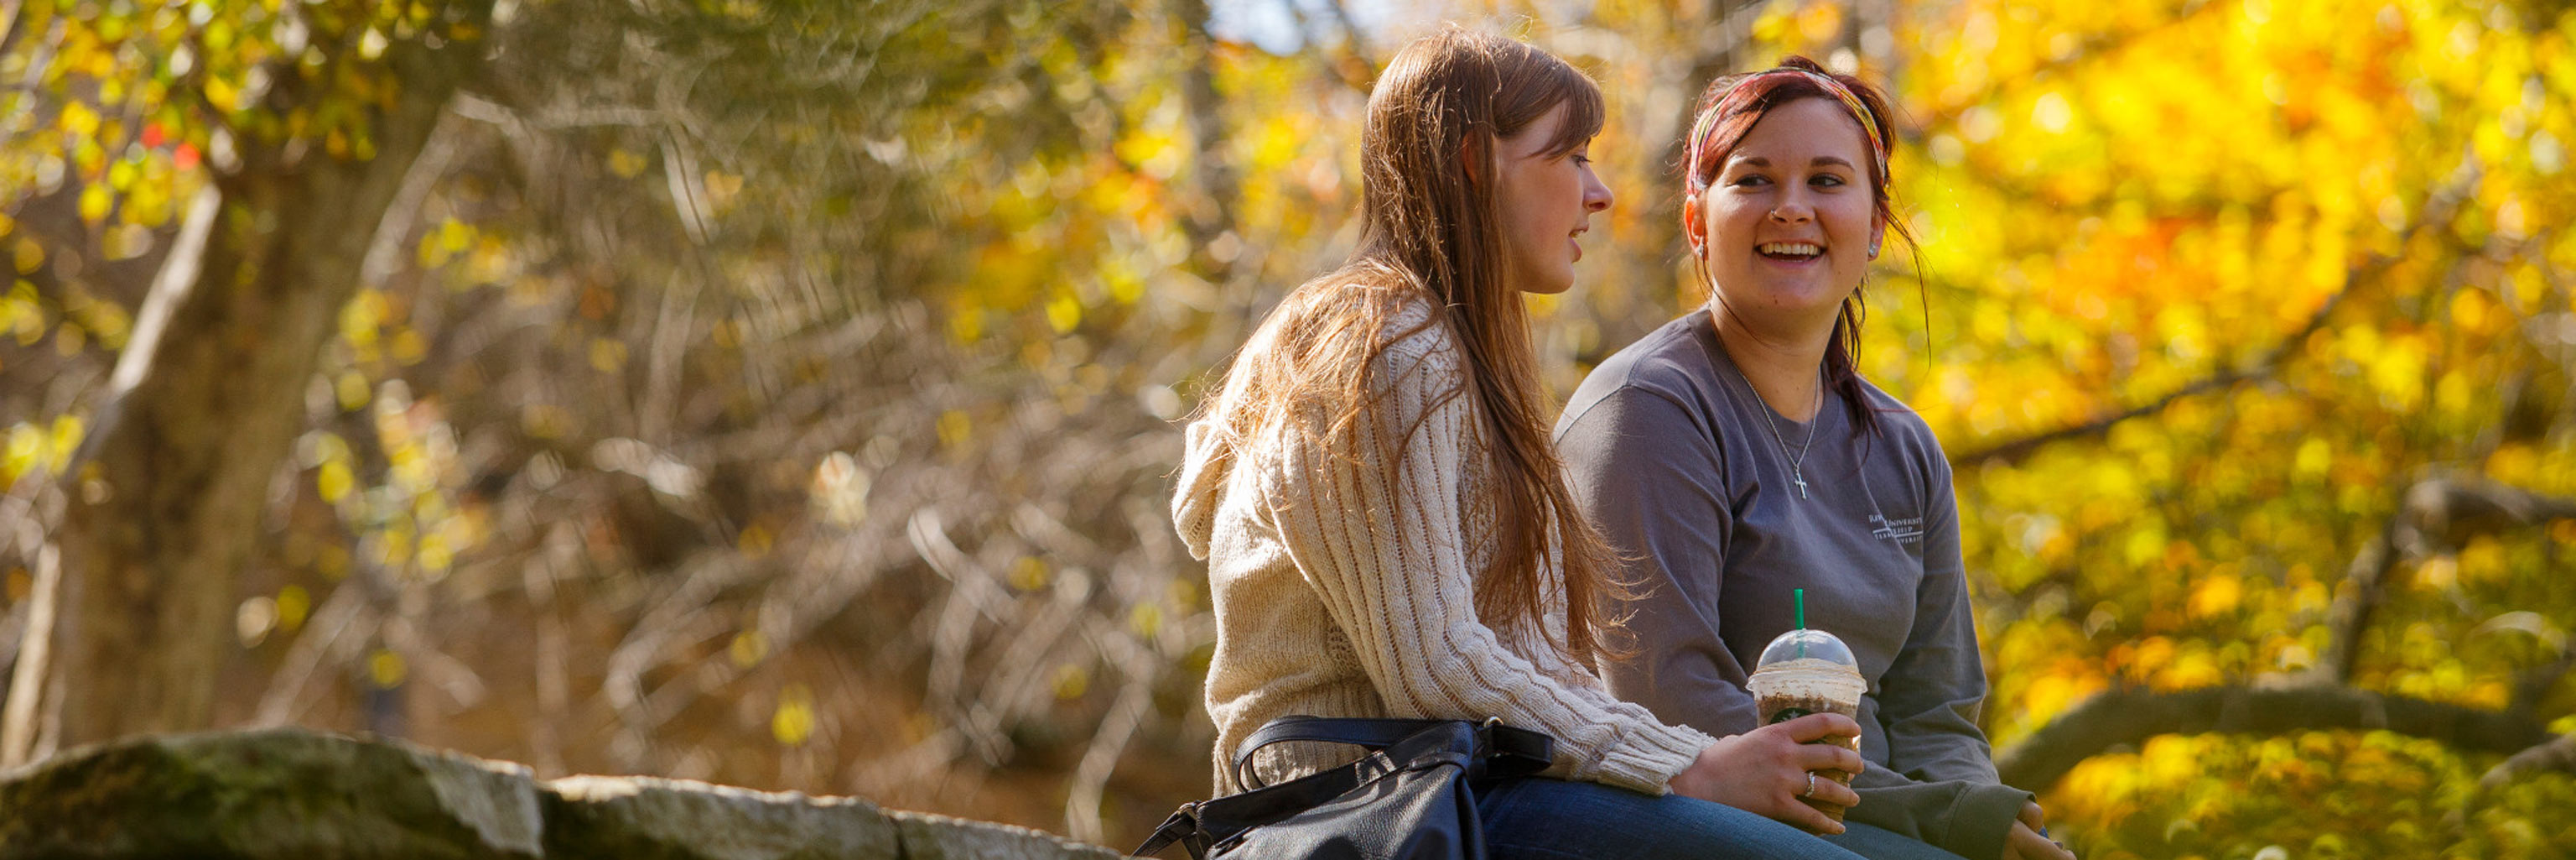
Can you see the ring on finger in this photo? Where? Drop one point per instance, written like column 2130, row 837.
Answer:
column 1811, row 785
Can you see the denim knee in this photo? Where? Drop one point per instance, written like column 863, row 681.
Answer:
column 1549, row 819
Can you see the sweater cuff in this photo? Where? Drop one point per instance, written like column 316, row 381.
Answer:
column 1981, row 818
column 1645, row 759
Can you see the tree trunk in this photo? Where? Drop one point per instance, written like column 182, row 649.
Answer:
column 167, row 506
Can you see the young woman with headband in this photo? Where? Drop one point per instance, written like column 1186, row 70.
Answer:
column 1736, row 454
column 1388, row 531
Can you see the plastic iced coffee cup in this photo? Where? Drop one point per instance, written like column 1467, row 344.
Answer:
column 1809, row 672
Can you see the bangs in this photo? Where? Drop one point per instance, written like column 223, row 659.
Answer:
column 1731, row 106
column 1584, row 111
column 1530, row 82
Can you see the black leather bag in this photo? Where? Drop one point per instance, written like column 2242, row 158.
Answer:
column 1410, row 798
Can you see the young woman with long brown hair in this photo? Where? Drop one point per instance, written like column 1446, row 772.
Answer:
column 1736, row 454
column 1387, row 529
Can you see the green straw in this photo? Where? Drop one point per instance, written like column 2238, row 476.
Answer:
column 1800, row 595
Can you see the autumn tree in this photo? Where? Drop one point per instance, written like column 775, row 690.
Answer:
column 311, row 115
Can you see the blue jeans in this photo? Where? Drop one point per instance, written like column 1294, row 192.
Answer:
column 1549, row 819
column 1877, row 844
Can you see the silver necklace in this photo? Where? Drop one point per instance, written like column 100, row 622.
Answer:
column 1798, row 461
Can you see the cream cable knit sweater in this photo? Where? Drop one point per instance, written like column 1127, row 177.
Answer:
column 1342, row 586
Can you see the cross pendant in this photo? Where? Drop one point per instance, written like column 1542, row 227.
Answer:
column 1799, row 478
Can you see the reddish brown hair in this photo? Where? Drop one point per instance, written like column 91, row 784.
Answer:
column 1727, row 112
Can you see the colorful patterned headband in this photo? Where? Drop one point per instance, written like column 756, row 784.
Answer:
column 1708, row 119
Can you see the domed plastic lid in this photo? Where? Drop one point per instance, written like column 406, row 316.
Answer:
column 1807, row 644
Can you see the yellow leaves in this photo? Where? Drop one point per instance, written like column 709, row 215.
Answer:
column 1156, row 152
column 1124, row 284
column 2169, row 759
column 625, row 163
column 435, row 554
column 2315, row 456
column 2482, row 560
column 361, row 317
column 387, row 669
column 2051, row 694
column 94, row 203
column 121, row 175
column 1029, row 574
column 2397, row 371
column 126, row 242
column 293, row 604
column 408, row 466
column 408, row 347
column 749, row 647
column 1819, row 23
column 1064, row 312
column 22, row 312
column 78, row 120
column 2394, row 364
column 1778, row 21
column 2476, row 312
column 25, row 452
column 755, row 541
column 334, row 481
column 1275, row 141
column 350, row 388
column 793, row 721
column 2145, row 545
column 954, row 427
column 2453, row 394
column 438, row 246
column 1145, row 619
column 607, row 355
column 722, row 188
column 222, row 93
column 1071, row 681
column 966, row 325
column 2216, row 592
column 2188, row 665
column 40, row 446
column 69, row 339
column 545, row 420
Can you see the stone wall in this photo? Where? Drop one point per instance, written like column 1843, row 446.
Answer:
column 290, row 793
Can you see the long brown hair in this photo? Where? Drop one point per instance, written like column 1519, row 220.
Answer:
column 1727, row 112
column 1430, row 235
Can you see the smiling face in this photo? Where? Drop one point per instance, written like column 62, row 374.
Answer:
column 1788, row 227
column 1544, row 201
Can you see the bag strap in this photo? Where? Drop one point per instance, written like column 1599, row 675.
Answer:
column 1489, row 749
column 1503, row 750
column 1182, row 827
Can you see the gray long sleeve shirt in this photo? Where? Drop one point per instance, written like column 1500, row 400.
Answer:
column 1670, row 456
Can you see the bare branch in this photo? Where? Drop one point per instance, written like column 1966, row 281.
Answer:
column 2434, row 516
column 1091, row 778
column 27, row 680
column 2357, row 600
column 2558, row 753
column 2129, row 716
column 324, row 639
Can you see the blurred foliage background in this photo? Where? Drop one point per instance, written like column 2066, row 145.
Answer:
column 783, row 393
